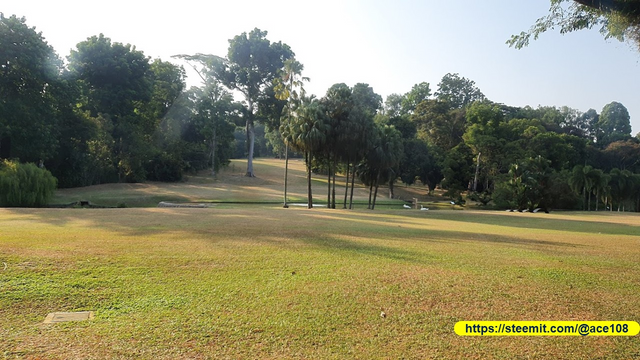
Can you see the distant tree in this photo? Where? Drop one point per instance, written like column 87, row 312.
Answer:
column 419, row 93
column 290, row 88
column 403, row 124
column 530, row 182
column 581, row 181
column 393, row 105
column 338, row 106
column 614, row 124
column 485, row 136
column 306, row 133
column 624, row 155
column 618, row 19
column 252, row 66
column 588, row 124
column 116, row 81
column 421, row 161
column 214, row 114
column 29, row 89
column 621, row 185
column 381, row 159
column 438, row 123
column 361, row 130
column 457, row 169
column 458, row 91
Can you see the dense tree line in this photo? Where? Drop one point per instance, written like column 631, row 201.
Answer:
column 111, row 114
column 519, row 158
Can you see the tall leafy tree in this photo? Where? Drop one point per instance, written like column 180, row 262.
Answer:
column 361, row 131
column 393, row 105
column 306, row 133
column 381, row 159
column 580, row 182
column 620, row 183
column 252, row 65
column 419, row 93
column 215, row 111
column 116, row 81
column 338, row 107
column 438, row 123
column 614, row 124
column 29, row 89
column 214, row 107
column 291, row 89
column 458, row 91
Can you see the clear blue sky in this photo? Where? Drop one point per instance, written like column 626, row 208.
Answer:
column 390, row 45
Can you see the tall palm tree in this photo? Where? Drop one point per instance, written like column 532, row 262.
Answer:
column 592, row 177
column 601, row 187
column 580, row 182
column 306, row 134
column 621, row 186
column 382, row 158
column 290, row 88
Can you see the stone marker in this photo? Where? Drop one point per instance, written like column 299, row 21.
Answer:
column 57, row 317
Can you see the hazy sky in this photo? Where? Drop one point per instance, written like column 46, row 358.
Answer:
column 390, row 45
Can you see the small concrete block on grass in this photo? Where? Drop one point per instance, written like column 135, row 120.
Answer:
column 56, row 317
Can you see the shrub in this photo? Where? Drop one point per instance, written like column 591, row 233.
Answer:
column 25, row 185
column 165, row 167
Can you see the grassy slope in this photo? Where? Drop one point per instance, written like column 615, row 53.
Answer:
column 270, row 283
column 230, row 185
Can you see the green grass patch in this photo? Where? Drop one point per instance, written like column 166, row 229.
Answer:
column 265, row 282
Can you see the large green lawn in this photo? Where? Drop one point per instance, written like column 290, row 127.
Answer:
column 266, row 282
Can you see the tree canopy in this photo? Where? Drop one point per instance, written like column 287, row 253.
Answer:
column 618, row 19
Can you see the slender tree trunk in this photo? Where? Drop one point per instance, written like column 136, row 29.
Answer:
column 375, row 195
column 353, row 180
column 309, row 195
column 589, row 201
column 328, row 184
column 213, row 153
column 583, row 196
column 333, row 194
column 286, row 170
column 392, row 180
column 597, row 198
column 251, row 140
column 370, row 194
column 475, row 179
column 346, row 187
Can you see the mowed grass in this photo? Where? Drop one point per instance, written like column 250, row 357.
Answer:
column 229, row 185
column 268, row 283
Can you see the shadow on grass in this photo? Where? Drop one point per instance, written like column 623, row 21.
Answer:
column 343, row 232
column 547, row 222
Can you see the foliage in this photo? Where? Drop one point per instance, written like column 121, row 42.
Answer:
column 25, row 185
column 29, row 90
column 457, row 170
column 165, row 167
column 411, row 100
column 252, row 66
column 458, row 91
column 116, row 80
column 618, row 19
column 438, row 123
column 613, row 124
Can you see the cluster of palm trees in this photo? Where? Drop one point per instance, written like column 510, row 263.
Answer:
column 338, row 131
column 619, row 189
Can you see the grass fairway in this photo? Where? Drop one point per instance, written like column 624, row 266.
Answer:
column 294, row 283
column 230, row 185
